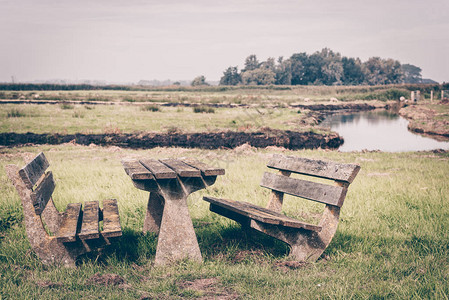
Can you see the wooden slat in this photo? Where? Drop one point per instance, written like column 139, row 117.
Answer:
column 333, row 195
column 31, row 173
column 136, row 170
column 70, row 223
column 111, row 219
column 318, row 168
column 89, row 226
column 181, row 168
column 205, row 169
column 260, row 214
column 159, row 170
column 42, row 193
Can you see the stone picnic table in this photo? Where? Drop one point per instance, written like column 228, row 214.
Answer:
column 170, row 181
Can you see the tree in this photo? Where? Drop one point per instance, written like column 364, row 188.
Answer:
column 260, row 76
column 199, row 80
column 231, row 77
column 283, row 72
column 352, row 71
column 251, row 63
column 412, row 74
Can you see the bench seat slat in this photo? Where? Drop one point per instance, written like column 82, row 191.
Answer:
column 183, row 170
column 32, row 171
column 89, row 226
column 260, row 214
column 70, row 223
column 159, row 170
column 42, row 194
column 333, row 195
column 318, row 168
column 205, row 169
column 136, row 171
column 111, row 219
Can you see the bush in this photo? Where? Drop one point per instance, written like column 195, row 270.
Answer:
column 15, row 113
column 203, row 109
column 152, row 108
column 67, row 106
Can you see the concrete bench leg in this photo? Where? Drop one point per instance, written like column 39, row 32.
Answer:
column 155, row 210
column 177, row 239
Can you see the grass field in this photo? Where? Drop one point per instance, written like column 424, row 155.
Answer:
column 70, row 119
column 392, row 240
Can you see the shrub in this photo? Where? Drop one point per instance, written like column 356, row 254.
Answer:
column 152, row 108
column 203, row 109
column 67, row 106
column 15, row 113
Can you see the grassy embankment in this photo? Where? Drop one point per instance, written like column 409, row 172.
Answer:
column 69, row 119
column 392, row 241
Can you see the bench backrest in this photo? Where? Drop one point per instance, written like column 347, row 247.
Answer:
column 34, row 173
column 342, row 174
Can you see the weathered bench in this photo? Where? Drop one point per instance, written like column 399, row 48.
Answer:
column 71, row 233
column 307, row 241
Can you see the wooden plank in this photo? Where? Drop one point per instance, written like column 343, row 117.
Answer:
column 70, row 223
column 205, row 169
column 260, row 214
column 318, row 168
column 159, row 170
column 333, row 195
column 182, row 169
column 136, row 170
column 42, row 193
column 31, row 172
column 89, row 226
column 111, row 219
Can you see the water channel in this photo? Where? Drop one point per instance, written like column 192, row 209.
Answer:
column 378, row 130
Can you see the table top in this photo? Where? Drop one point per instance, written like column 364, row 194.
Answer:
column 169, row 168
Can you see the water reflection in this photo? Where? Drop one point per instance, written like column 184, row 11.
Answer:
column 379, row 130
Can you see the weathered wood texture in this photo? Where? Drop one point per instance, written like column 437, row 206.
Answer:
column 205, row 169
column 42, row 194
column 89, row 226
column 136, row 170
column 318, row 168
column 111, row 219
column 315, row 191
column 159, row 170
column 70, row 223
column 181, row 168
column 76, row 232
column 260, row 214
column 32, row 171
column 307, row 241
column 167, row 212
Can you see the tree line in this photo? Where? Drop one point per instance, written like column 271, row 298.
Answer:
column 324, row 67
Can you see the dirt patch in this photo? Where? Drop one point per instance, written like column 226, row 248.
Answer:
column 210, row 288
column 207, row 140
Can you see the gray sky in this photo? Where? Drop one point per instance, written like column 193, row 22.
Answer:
column 125, row 41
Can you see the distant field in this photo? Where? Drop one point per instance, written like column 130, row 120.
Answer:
column 392, row 240
column 248, row 95
column 69, row 118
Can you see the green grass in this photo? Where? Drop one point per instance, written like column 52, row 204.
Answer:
column 47, row 118
column 392, row 240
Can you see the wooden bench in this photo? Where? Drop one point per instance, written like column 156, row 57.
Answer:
column 307, row 241
column 71, row 233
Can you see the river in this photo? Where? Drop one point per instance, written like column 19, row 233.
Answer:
column 378, row 130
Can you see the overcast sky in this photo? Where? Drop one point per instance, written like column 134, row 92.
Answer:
column 126, row 41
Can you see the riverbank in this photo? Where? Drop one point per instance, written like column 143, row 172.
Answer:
column 428, row 118
column 205, row 140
